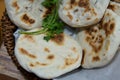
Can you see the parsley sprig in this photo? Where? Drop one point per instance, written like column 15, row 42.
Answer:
column 51, row 24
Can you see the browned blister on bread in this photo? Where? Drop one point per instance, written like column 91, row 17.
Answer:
column 115, row 7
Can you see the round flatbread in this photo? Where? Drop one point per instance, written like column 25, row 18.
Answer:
column 81, row 13
column 26, row 14
column 48, row 59
column 100, row 42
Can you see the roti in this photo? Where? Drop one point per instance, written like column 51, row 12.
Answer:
column 100, row 42
column 48, row 59
column 26, row 14
column 81, row 13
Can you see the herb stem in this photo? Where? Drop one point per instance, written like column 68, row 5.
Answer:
column 51, row 24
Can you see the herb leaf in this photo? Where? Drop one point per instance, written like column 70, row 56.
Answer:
column 51, row 24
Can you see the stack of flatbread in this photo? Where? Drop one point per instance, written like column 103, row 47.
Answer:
column 95, row 45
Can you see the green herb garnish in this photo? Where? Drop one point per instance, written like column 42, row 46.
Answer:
column 51, row 24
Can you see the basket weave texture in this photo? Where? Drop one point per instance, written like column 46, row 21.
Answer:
column 8, row 28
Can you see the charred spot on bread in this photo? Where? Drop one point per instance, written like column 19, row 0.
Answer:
column 96, row 58
column 41, row 64
column 76, row 10
column 74, row 49
column 88, row 18
column 112, row 7
column 31, row 65
column 72, row 1
column 15, row 5
column 35, row 64
column 50, row 57
column 93, row 11
column 58, row 39
column 109, row 27
column 85, row 4
column 29, row 37
column 46, row 50
column 25, row 52
column 96, row 42
column 26, row 19
column 31, row 1
column 69, row 61
column 70, row 16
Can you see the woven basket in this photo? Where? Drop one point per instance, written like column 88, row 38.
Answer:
column 8, row 29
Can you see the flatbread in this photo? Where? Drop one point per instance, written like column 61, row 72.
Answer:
column 26, row 14
column 81, row 13
column 115, row 7
column 48, row 59
column 101, row 41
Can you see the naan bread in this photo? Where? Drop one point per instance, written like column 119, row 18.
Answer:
column 100, row 42
column 115, row 7
column 81, row 13
column 26, row 14
column 48, row 59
